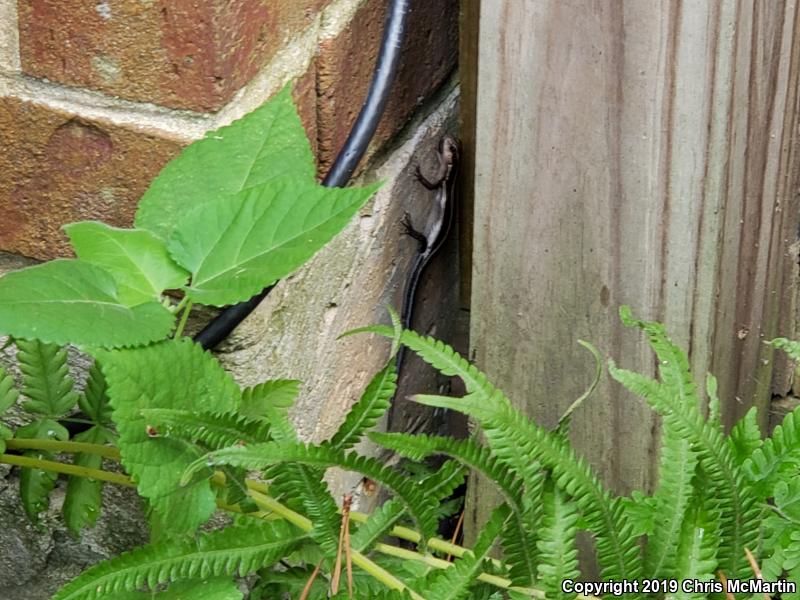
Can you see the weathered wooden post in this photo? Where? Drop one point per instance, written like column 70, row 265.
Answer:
column 641, row 153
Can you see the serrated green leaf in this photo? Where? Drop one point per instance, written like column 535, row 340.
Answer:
column 172, row 374
column 45, row 378
column 35, row 485
column 72, row 302
column 230, row 551
column 266, row 144
column 137, row 259
column 235, row 247
column 83, row 498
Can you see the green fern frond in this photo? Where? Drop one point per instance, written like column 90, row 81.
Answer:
column 365, row 413
column 271, row 400
column 791, row 347
column 215, row 430
column 777, row 458
column 259, row 456
column 83, row 499
column 677, row 466
column 35, row 485
column 94, row 400
column 518, row 441
column 566, row 418
column 231, row 551
column 739, row 509
column 745, row 437
column 518, row 538
column 8, row 392
column 439, row 485
column 454, row 583
column 673, row 364
column 467, row 452
column 45, row 378
column 697, row 551
column 557, row 543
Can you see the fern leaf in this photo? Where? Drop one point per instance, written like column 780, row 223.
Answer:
column 518, row 537
column 228, row 552
column 671, row 500
column 94, row 400
column 557, row 543
column 8, row 392
column 745, row 437
column 439, row 485
column 739, row 510
column 258, row 456
column 35, row 485
column 467, row 452
column 518, row 441
column 272, row 400
column 83, row 498
column 365, row 413
column 514, row 438
column 215, row 430
column 454, row 582
column 697, row 551
column 45, row 378
column 777, row 458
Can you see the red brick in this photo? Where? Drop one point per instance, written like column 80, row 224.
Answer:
column 345, row 64
column 192, row 54
column 57, row 168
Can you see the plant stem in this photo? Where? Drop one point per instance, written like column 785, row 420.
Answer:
column 58, row 467
column 305, row 524
column 59, row 446
column 184, row 317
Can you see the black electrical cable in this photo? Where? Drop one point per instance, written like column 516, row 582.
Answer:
column 348, row 158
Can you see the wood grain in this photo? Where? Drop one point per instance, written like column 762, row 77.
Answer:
column 632, row 152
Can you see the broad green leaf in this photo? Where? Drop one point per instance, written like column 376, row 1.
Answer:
column 235, row 247
column 266, row 144
column 83, row 498
column 69, row 301
column 174, row 374
column 45, row 378
column 137, row 259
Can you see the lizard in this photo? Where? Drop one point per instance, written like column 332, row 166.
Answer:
column 437, row 225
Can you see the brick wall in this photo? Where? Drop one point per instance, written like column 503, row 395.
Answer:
column 95, row 96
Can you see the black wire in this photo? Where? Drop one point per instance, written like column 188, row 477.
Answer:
column 348, row 158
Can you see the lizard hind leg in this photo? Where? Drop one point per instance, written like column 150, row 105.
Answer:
column 409, row 230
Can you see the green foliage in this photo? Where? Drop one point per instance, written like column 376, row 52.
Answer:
column 267, row 145
column 369, row 409
column 174, row 374
column 232, row 214
column 231, row 551
column 69, row 301
column 137, row 260
column 235, row 212
column 234, row 247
